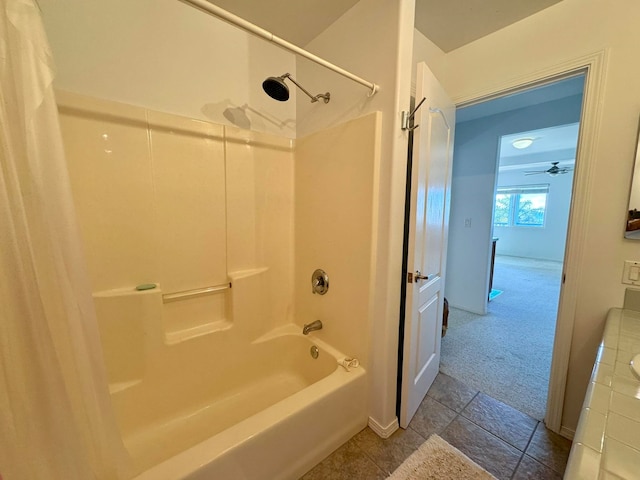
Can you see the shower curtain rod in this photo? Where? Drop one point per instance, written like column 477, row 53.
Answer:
column 262, row 33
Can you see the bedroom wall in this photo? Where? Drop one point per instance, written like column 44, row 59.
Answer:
column 541, row 243
column 475, row 167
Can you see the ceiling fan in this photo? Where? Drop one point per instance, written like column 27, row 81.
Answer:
column 553, row 171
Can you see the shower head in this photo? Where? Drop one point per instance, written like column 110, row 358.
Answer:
column 278, row 90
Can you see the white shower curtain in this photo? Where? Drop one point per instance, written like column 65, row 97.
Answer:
column 56, row 420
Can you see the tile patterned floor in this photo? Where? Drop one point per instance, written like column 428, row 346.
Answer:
column 506, row 442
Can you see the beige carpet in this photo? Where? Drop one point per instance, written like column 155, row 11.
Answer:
column 437, row 460
column 507, row 352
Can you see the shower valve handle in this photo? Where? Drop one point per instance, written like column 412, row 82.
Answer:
column 319, row 282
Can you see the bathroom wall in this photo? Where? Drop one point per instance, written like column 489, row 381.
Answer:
column 424, row 50
column 373, row 40
column 336, row 194
column 98, row 47
column 185, row 204
column 569, row 30
column 167, row 56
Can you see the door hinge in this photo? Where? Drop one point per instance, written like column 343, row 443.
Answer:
column 409, row 277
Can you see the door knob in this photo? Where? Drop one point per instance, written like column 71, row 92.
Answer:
column 419, row 276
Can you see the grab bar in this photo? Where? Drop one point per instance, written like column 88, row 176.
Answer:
column 196, row 292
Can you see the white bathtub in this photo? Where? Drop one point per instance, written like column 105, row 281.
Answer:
column 268, row 412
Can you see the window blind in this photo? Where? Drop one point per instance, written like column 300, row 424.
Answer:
column 520, row 189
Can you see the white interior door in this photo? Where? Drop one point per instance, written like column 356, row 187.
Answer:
column 430, row 198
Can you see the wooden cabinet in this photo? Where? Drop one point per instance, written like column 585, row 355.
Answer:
column 493, row 261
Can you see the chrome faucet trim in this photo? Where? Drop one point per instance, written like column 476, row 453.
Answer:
column 310, row 327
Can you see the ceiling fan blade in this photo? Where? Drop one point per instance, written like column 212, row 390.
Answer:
column 554, row 170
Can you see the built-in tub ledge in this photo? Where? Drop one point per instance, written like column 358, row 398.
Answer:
column 119, row 292
column 245, row 289
column 240, row 274
column 120, row 386
column 288, row 329
column 178, row 336
column 348, row 363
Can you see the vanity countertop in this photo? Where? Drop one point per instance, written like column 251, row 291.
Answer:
column 607, row 441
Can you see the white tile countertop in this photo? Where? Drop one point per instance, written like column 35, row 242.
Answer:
column 607, row 441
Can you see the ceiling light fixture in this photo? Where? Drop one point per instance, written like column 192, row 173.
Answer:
column 521, row 143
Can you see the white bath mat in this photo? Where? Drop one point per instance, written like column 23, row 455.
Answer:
column 437, row 460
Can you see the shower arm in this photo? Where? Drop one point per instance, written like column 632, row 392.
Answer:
column 324, row 96
column 239, row 22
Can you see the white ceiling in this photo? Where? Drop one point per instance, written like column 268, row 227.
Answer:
column 296, row 21
column 553, row 144
column 453, row 23
column 448, row 23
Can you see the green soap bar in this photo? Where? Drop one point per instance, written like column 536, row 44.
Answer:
column 146, row 286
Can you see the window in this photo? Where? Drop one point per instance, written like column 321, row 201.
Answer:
column 520, row 206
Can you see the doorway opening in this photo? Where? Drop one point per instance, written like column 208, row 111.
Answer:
column 510, row 203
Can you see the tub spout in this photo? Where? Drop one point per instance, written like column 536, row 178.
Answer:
column 310, row 327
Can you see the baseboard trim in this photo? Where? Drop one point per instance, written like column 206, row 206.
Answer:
column 384, row 432
column 567, row 433
column 465, row 308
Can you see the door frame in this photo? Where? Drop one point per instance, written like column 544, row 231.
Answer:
column 594, row 67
